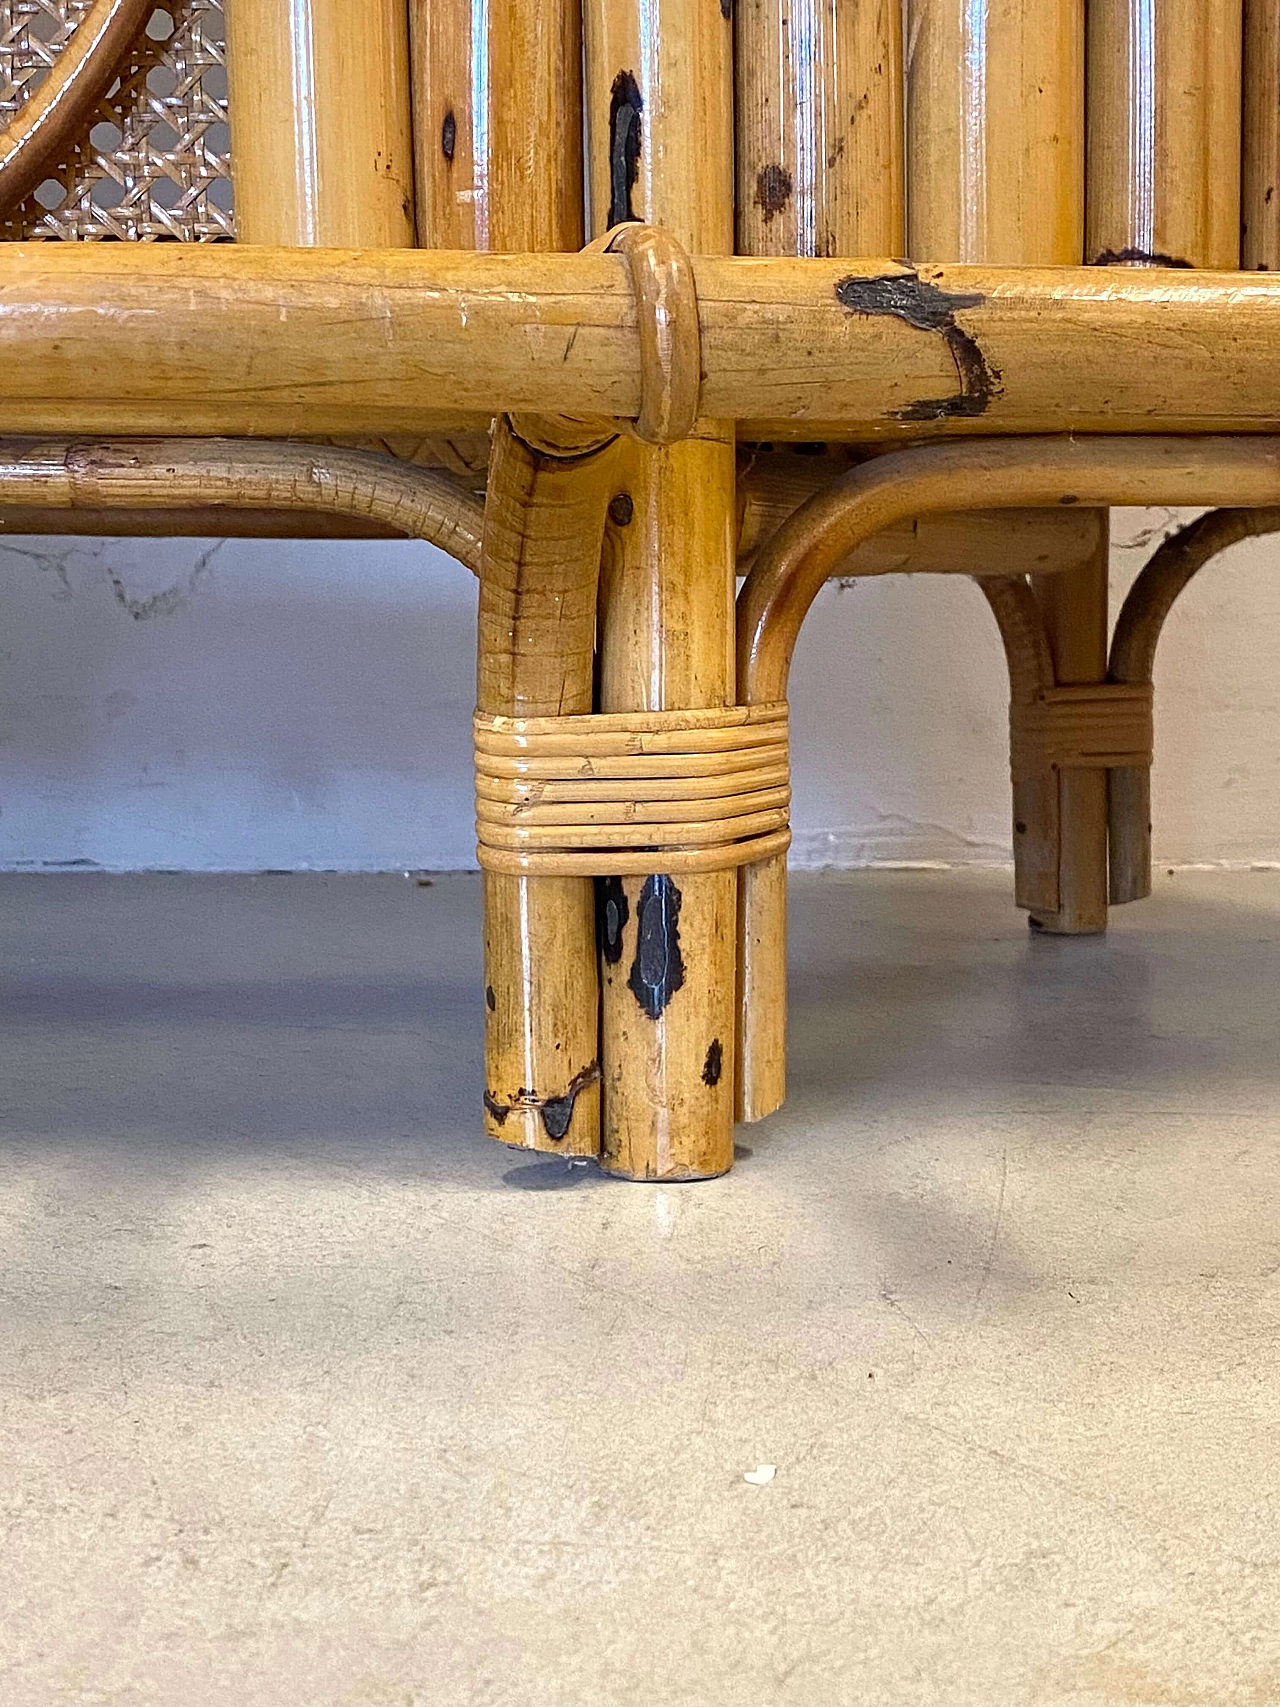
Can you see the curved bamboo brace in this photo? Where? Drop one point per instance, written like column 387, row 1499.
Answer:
column 46, row 126
column 1133, row 655
column 793, row 566
column 181, row 474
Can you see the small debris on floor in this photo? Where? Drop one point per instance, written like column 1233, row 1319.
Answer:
column 761, row 1476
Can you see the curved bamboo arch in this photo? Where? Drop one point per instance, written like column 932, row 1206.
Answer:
column 1133, row 654
column 239, row 474
column 794, row 564
column 45, row 126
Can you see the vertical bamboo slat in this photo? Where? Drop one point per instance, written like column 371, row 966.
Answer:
column 660, row 117
column 450, row 163
column 1166, row 93
column 1164, row 132
column 995, row 138
column 996, row 171
column 321, row 133
column 819, row 127
column 498, row 104
column 820, row 172
column 1260, row 190
column 497, row 123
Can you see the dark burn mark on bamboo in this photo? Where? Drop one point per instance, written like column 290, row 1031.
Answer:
column 726, row 10
column 490, row 1000
column 658, row 970
column 907, row 297
column 621, row 510
column 625, row 107
column 556, row 1113
column 1137, row 258
column 773, row 190
column 449, row 136
column 714, row 1064
column 612, row 912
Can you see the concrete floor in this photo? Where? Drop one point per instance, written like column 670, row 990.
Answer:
column 310, row 1396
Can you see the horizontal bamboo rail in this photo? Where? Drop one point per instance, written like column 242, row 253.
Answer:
column 116, row 338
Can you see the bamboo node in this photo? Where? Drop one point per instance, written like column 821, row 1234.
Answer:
column 1101, row 726
column 629, row 793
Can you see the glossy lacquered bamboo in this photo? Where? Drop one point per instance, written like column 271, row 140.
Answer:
column 997, row 174
column 995, row 130
column 819, row 127
column 49, row 123
column 544, row 520
column 1164, row 132
column 660, row 142
column 820, row 172
column 498, row 137
column 123, row 338
column 321, row 131
column 1260, row 189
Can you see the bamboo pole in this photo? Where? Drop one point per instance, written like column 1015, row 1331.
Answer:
column 820, row 172
column 1165, row 128
column 321, row 135
column 995, row 113
column 1260, row 191
column 660, row 130
column 819, row 128
column 101, row 338
column 499, row 138
column 995, row 142
column 1164, row 132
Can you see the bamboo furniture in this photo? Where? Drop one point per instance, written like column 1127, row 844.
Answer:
column 593, row 294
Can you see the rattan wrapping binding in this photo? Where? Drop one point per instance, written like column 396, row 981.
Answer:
column 1099, row 727
column 154, row 162
column 632, row 792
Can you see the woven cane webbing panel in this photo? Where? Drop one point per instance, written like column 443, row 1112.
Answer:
column 154, row 164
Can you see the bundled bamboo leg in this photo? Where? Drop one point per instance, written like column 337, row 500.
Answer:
column 322, row 137
column 1165, row 120
column 1260, row 191
column 995, row 111
column 660, row 103
column 499, row 167
column 820, row 172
